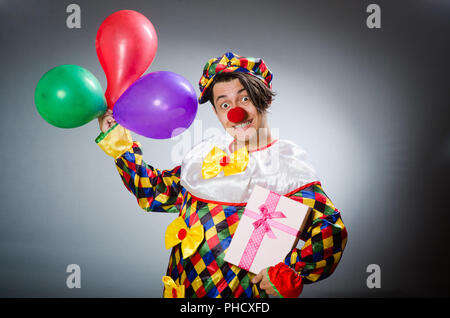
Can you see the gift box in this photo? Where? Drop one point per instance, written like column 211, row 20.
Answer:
column 269, row 228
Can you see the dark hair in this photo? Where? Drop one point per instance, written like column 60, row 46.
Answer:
column 260, row 95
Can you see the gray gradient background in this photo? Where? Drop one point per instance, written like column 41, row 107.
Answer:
column 370, row 107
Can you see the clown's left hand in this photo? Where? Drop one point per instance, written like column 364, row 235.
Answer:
column 264, row 282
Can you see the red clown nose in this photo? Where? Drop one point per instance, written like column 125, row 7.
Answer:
column 236, row 115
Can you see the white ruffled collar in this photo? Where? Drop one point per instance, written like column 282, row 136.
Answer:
column 281, row 166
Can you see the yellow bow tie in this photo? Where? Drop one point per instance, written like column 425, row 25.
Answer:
column 171, row 289
column 190, row 238
column 217, row 159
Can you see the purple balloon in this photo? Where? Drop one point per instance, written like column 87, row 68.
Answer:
column 158, row 105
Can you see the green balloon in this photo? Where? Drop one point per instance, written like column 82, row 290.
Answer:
column 69, row 96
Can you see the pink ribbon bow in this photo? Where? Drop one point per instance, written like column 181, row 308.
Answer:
column 264, row 217
column 262, row 225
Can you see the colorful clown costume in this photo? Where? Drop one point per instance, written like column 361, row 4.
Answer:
column 210, row 198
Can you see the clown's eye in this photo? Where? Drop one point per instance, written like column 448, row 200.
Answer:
column 225, row 106
column 245, row 99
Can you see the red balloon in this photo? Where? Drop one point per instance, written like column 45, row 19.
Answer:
column 126, row 45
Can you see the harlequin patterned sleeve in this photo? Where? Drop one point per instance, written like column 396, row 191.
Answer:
column 155, row 190
column 325, row 241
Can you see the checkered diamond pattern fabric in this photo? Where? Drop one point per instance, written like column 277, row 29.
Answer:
column 205, row 273
column 325, row 240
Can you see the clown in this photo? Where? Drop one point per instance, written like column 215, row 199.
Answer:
column 211, row 186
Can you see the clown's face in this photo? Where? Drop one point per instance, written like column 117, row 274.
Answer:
column 253, row 126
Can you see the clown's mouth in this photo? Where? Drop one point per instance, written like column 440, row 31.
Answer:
column 244, row 125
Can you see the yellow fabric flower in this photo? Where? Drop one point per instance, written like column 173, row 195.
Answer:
column 190, row 238
column 217, row 159
column 171, row 289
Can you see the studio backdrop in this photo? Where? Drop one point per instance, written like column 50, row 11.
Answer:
column 369, row 104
